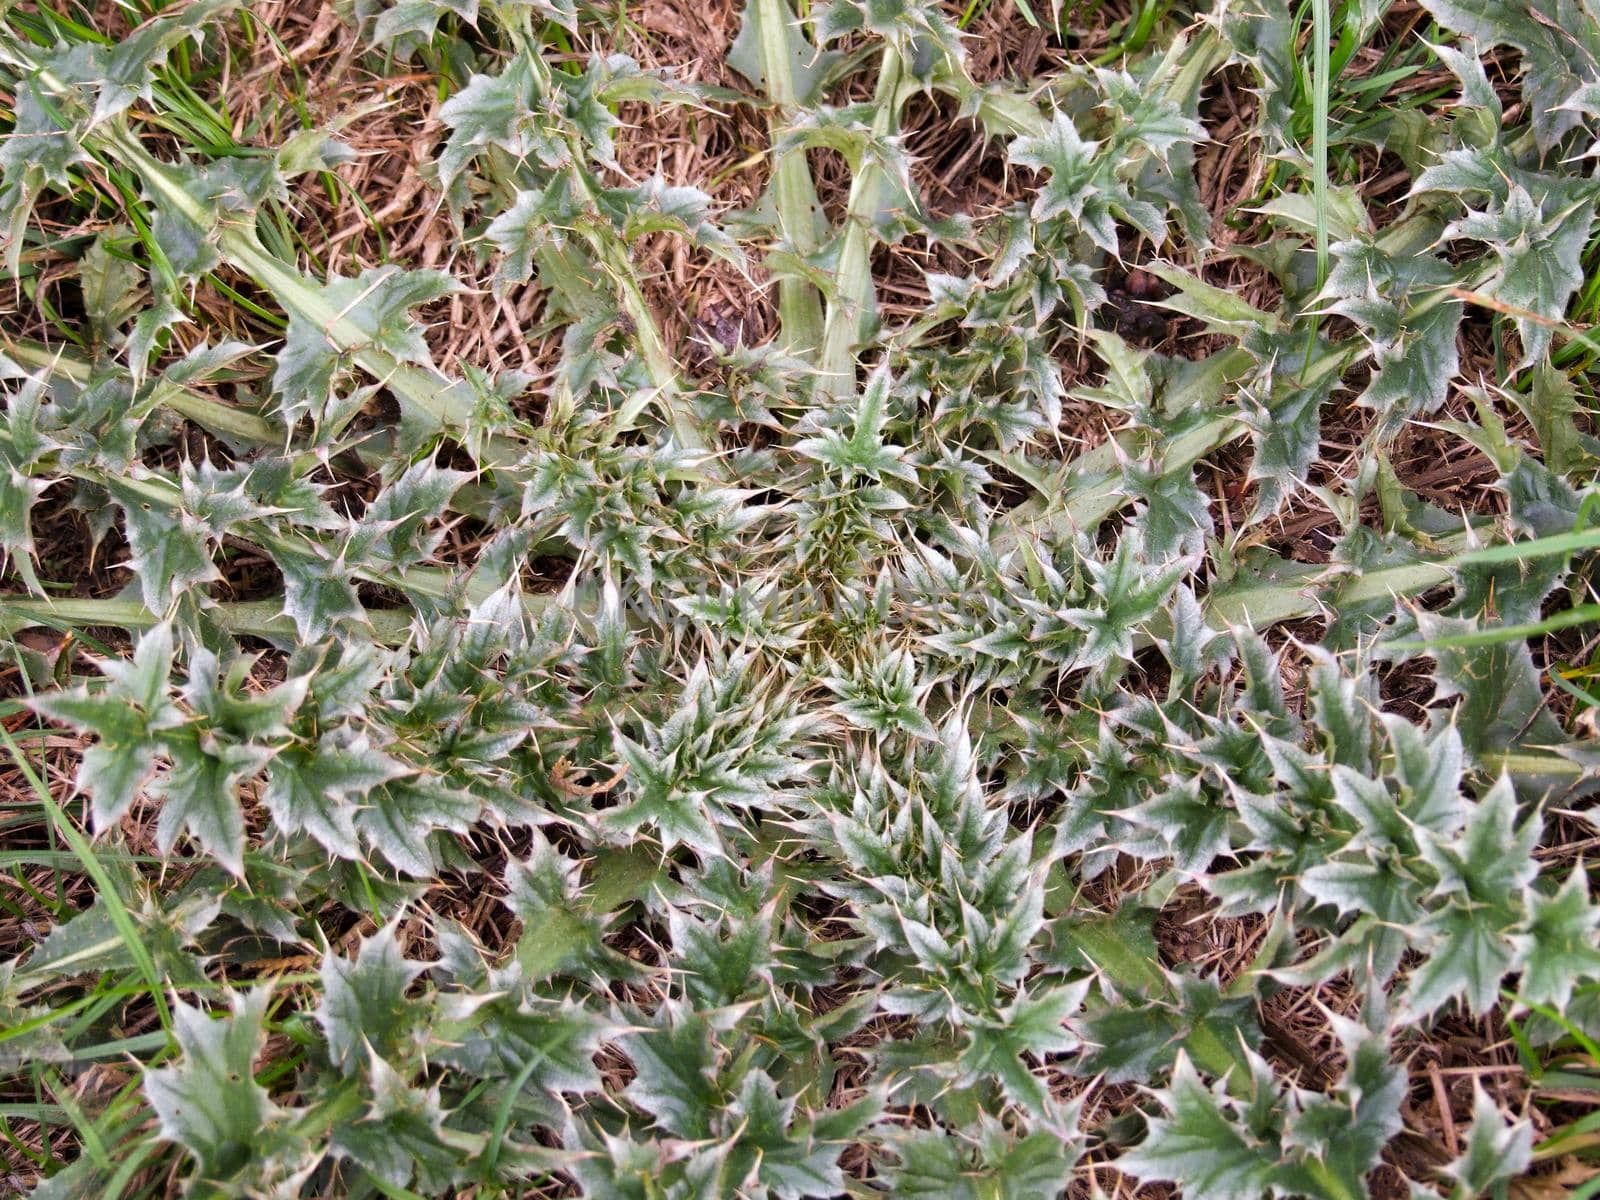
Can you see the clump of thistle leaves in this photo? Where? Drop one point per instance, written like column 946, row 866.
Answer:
column 781, row 814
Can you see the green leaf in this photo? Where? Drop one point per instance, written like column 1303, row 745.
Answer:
column 531, row 222
column 399, row 818
column 675, row 1070
column 318, row 594
column 1491, row 859
column 376, row 305
column 1560, row 947
column 863, row 454
column 110, row 283
column 1263, row 36
column 1379, row 888
column 1147, row 112
column 1560, row 45
column 1130, row 590
column 1132, row 1041
column 657, row 799
column 1471, row 951
column 546, row 1045
column 200, row 794
column 722, row 966
column 41, row 150
column 1551, row 405
column 792, row 1158
column 1495, row 1152
column 1343, row 1136
column 1396, row 299
column 560, row 933
column 1484, row 870
column 882, row 696
column 399, row 527
column 918, row 31
column 1285, row 422
column 1343, row 707
column 1077, row 185
column 656, row 207
column 1501, row 703
column 506, row 111
column 1173, row 513
column 124, row 718
column 364, row 1005
column 92, row 941
column 209, row 1102
column 1428, row 770
column 1540, row 255
column 130, row 61
column 406, row 26
column 401, row 1135
column 170, row 551
column 318, row 790
column 1030, row 1025
column 985, row 1162
column 1199, row 1146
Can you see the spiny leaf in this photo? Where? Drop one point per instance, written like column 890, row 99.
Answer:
column 364, row 1008
column 210, row 1102
column 319, row 790
column 1560, row 46
column 1199, row 1145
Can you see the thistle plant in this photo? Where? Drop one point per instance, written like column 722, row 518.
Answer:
column 770, row 772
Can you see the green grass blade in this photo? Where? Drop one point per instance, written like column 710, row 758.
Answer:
column 1583, row 614
column 104, row 885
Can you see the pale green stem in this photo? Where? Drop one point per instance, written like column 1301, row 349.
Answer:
column 252, row 618
column 1262, row 603
column 1084, row 491
column 657, row 359
column 424, row 390
column 852, row 301
column 439, row 583
column 208, row 413
column 256, row 618
column 1321, row 34
column 794, row 193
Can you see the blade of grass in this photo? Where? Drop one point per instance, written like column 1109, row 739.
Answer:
column 1554, row 545
column 1583, row 614
column 104, row 885
column 88, row 1136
